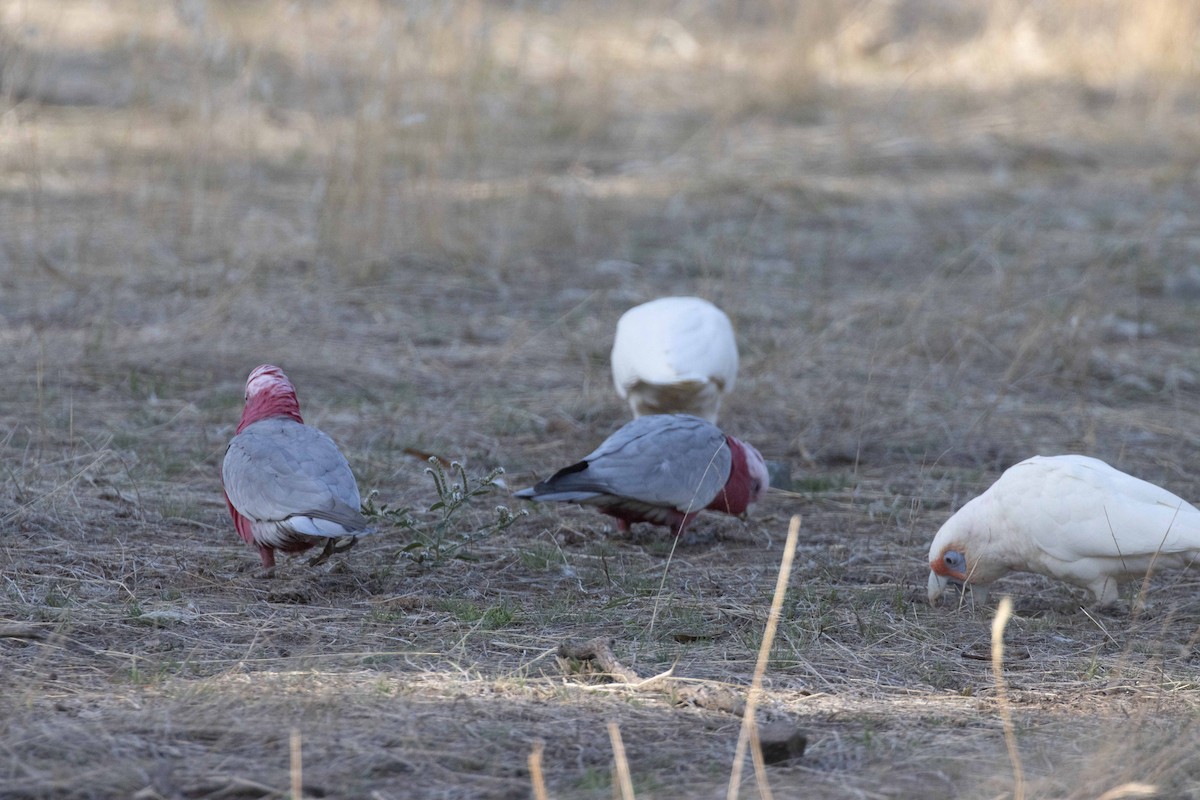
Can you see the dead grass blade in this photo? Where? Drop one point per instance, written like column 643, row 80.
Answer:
column 1129, row 790
column 749, row 729
column 760, row 767
column 297, row 770
column 535, row 771
column 99, row 457
column 621, row 763
column 1003, row 613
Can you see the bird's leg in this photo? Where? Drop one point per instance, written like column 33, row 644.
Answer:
column 1108, row 598
column 346, row 546
column 325, row 554
column 332, row 548
column 267, row 554
column 679, row 526
column 1105, row 591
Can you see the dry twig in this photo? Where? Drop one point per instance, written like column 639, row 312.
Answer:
column 599, row 651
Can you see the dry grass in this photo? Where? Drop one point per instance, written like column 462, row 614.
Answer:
column 950, row 234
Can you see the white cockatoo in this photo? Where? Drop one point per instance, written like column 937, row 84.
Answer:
column 664, row 469
column 674, row 355
column 287, row 485
column 1069, row 517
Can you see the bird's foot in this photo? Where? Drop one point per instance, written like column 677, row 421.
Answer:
column 690, row 538
column 331, row 548
column 324, row 555
column 1114, row 608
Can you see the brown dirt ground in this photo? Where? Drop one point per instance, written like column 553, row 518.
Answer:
column 950, row 236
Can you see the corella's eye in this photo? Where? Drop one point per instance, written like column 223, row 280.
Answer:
column 955, row 561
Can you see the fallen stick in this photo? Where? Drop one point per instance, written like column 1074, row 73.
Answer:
column 33, row 633
column 599, row 651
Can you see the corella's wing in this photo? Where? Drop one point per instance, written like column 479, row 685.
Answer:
column 674, row 340
column 672, row 460
column 280, row 470
column 1088, row 509
column 702, row 346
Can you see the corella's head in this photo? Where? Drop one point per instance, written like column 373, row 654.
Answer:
column 959, row 553
column 269, row 393
column 748, row 479
column 946, row 565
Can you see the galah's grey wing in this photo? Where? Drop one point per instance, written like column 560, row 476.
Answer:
column 279, row 468
column 664, row 460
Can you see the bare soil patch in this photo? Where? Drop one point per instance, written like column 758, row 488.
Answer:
column 950, row 236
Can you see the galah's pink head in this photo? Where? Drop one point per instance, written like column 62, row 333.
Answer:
column 269, row 393
column 748, row 479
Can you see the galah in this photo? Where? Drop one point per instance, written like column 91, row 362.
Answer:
column 674, row 355
column 1069, row 517
column 287, row 485
column 663, row 469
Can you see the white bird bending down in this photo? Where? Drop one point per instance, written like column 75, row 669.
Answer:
column 664, row 469
column 674, row 355
column 287, row 485
column 1069, row 517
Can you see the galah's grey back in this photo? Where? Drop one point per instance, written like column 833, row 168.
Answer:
column 672, row 460
column 281, row 471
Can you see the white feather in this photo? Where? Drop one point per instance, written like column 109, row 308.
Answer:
column 1070, row 517
column 324, row 528
column 674, row 355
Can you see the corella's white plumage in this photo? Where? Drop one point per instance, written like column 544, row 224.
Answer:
column 674, row 355
column 1069, row 517
column 287, row 485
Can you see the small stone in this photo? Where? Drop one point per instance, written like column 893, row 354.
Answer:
column 1135, row 383
column 289, row 596
column 1185, row 286
column 1179, row 378
column 1121, row 329
column 781, row 741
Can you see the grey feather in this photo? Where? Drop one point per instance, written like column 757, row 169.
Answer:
column 278, row 468
column 673, row 460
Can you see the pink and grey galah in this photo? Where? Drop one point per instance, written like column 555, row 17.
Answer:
column 663, row 469
column 287, row 485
